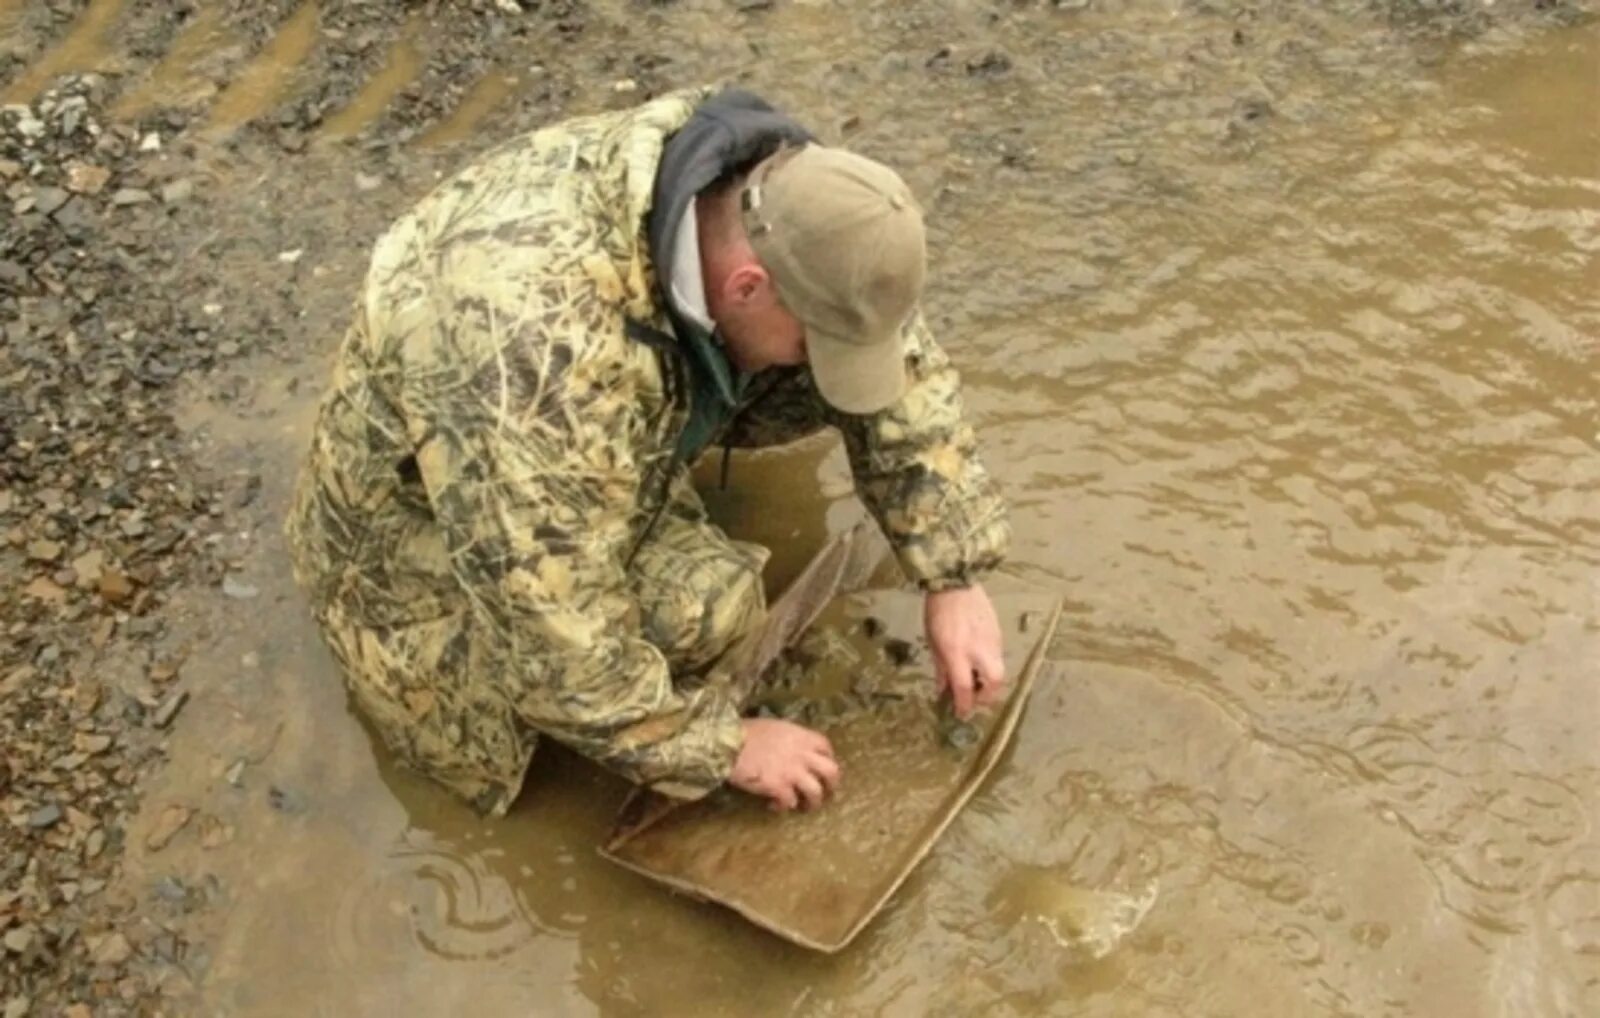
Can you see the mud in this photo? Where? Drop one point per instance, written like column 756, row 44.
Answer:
column 1278, row 322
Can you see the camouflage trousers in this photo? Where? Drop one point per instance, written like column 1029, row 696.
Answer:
column 697, row 592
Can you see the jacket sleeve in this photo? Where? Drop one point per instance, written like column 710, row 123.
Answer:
column 533, row 489
column 916, row 467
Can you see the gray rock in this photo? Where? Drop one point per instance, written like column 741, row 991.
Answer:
column 169, row 708
column 178, row 191
column 45, row 816
column 166, row 947
column 47, row 199
column 131, row 196
column 237, row 588
column 171, row 890
column 112, row 950
column 18, row 940
column 248, row 493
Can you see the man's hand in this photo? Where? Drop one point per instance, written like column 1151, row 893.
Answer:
column 965, row 636
column 789, row 764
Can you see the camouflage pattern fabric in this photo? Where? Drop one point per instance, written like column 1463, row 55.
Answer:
column 495, row 536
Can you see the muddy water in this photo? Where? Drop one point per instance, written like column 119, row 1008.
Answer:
column 1284, row 347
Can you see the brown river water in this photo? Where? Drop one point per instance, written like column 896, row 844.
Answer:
column 1282, row 339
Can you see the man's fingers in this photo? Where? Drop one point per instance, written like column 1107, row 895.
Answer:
column 783, row 796
column 820, row 744
column 961, row 680
column 954, row 675
column 991, row 681
column 997, row 668
column 810, row 789
column 826, row 768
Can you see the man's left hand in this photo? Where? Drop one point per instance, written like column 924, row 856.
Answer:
column 965, row 636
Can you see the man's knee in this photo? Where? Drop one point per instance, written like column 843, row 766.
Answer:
column 698, row 594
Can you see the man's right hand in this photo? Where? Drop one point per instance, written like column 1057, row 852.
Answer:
column 785, row 762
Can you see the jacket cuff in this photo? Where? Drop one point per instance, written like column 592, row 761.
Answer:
column 943, row 583
column 712, row 763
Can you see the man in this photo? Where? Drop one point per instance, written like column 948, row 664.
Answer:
column 496, row 525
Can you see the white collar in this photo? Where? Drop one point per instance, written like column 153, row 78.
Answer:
column 688, row 281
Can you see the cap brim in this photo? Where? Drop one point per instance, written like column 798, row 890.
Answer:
column 857, row 378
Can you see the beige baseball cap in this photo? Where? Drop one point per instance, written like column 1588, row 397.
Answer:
column 842, row 237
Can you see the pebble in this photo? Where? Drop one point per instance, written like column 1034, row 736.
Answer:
column 172, row 820
column 47, row 199
column 18, row 1007
column 131, row 196
column 992, row 63
column 18, row 940
column 45, row 816
column 115, row 587
column 169, row 708
column 171, row 890
column 86, row 178
column 43, row 589
column 214, row 833
column 900, row 652
column 177, row 192
column 238, row 589
column 112, row 949
column 166, row 947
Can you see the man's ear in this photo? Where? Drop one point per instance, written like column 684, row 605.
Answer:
column 746, row 282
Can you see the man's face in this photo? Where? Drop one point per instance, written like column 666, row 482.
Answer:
column 757, row 330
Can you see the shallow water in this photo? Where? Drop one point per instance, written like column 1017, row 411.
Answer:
column 1285, row 350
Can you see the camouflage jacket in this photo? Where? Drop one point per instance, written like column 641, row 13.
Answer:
column 497, row 441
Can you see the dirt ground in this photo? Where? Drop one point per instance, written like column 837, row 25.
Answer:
column 191, row 190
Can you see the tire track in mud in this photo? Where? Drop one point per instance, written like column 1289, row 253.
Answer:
column 265, row 80
column 314, row 68
column 84, row 48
